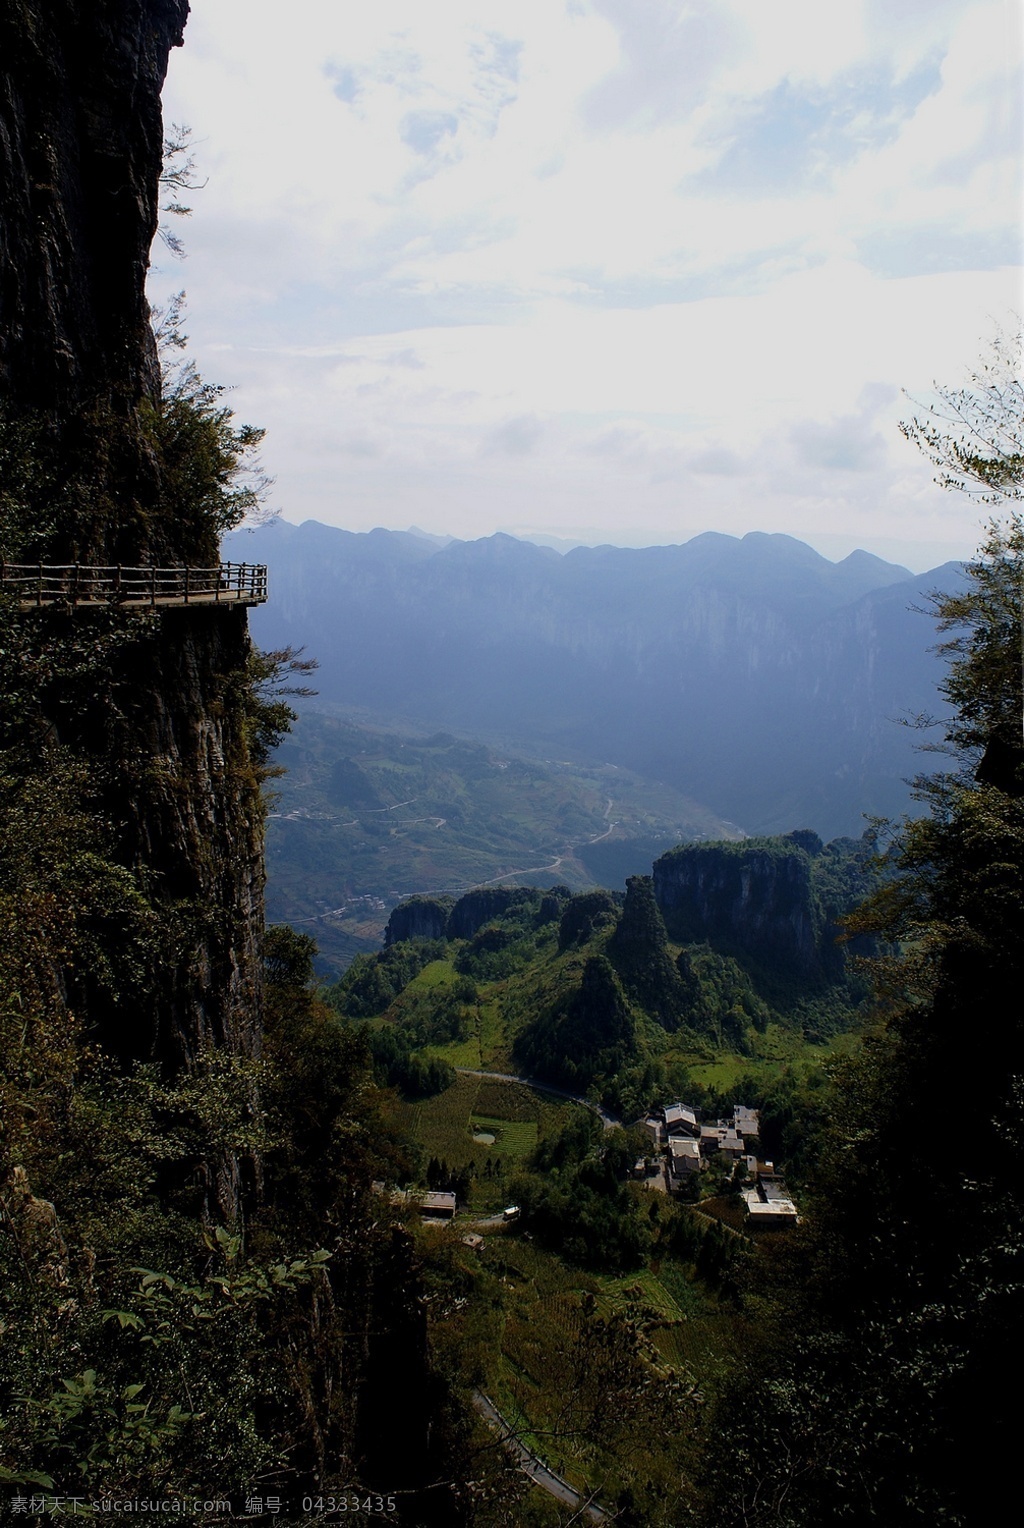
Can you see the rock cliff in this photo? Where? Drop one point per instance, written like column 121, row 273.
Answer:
column 753, row 898
column 167, row 735
column 418, row 918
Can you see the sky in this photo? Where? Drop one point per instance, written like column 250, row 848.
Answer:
column 601, row 270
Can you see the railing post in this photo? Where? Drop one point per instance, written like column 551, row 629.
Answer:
column 188, row 572
column 39, row 587
column 117, row 581
column 152, row 584
column 74, row 586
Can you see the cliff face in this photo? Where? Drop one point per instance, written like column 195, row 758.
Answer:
column 81, row 140
column 193, row 827
column 478, row 907
column 445, row 918
column 418, row 918
column 754, row 899
column 166, row 735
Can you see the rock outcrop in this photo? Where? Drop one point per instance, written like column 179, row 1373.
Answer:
column 418, row 918
column 81, row 146
column 753, row 898
column 81, row 143
column 478, row 907
column 446, row 918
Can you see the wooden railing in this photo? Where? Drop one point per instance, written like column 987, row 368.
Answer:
column 79, row 583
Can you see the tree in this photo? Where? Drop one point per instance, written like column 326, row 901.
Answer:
column 984, row 679
column 975, row 434
column 895, row 1307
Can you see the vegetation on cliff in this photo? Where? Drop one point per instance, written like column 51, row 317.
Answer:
column 886, row 1330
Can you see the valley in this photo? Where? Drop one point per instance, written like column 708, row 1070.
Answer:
column 364, row 817
column 507, row 1089
column 606, row 1280
column 680, row 664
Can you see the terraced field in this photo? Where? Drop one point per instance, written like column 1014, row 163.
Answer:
column 516, row 1116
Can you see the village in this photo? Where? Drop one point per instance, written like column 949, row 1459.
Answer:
column 683, row 1147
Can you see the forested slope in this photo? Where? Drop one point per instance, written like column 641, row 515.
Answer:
column 889, row 1324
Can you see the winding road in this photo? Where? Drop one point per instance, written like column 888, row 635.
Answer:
column 535, row 1468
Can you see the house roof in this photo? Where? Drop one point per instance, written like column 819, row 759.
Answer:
column 437, row 1201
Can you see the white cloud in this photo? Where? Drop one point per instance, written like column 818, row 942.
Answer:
column 556, row 260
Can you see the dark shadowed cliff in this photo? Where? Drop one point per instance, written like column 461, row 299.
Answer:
column 158, row 708
column 755, row 897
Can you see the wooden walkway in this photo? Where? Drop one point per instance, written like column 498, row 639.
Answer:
column 36, row 585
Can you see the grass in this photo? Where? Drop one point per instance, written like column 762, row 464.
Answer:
column 439, row 973
column 709, row 1336
column 618, row 1291
column 538, row 1361
column 776, row 1050
column 485, row 1046
column 693, row 1332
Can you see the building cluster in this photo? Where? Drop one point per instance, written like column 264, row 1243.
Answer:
column 684, row 1145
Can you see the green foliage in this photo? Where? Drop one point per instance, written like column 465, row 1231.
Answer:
column 577, row 1202
column 262, row 691
column 639, row 949
column 498, row 950
column 105, row 1436
column 27, row 487
column 983, row 684
column 584, row 915
column 145, row 1351
column 397, row 1065
column 210, row 471
column 372, row 982
column 586, row 1037
column 726, row 1003
column 74, row 488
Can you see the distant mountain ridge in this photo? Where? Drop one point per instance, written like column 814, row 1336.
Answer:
column 752, row 673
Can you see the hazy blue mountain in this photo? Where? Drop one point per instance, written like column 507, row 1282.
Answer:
column 752, row 674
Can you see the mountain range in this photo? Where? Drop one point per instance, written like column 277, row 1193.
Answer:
column 750, row 673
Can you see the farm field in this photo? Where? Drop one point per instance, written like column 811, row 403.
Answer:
column 550, row 1368
column 517, row 1117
